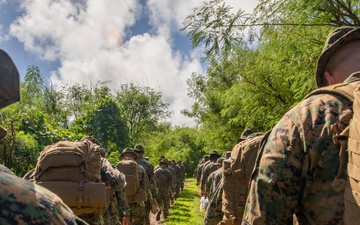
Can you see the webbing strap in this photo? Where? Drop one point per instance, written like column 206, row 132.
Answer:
column 353, row 171
column 354, row 146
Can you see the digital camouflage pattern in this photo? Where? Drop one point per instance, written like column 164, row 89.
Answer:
column 116, row 180
column 24, row 202
column 149, row 169
column 298, row 165
column 137, row 209
column 6, row 170
column 209, row 168
column 163, row 177
column 178, row 175
column 137, row 213
column 200, row 169
column 118, row 209
column 213, row 213
column 212, row 181
column 179, row 163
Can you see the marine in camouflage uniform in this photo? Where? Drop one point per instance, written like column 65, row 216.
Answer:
column 137, row 209
column 214, row 177
column 113, row 178
column 179, row 163
column 213, row 213
column 118, row 208
column 200, row 169
column 173, row 182
column 163, row 177
column 209, row 168
column 160, row 158
column 21, row 201
column 178, row 180
column 300, row 160
column 149, row 168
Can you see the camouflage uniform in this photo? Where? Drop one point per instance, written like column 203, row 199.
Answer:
column 182, row 174
column 298, row 165
column 149, row 169
column 163, row 177
column 173, row 182
column 208, row 169
column 200, row 169
column 114, row 178
column 24, row 202
column 137, row 209
column 212, row 181
column 201, row 161
column 6, row 170
column 213, row 213
column 178, row 180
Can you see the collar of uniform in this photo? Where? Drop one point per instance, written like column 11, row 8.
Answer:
column 353, row 77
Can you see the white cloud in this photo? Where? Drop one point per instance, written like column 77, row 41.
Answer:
column 3, row 35
column 88, row 40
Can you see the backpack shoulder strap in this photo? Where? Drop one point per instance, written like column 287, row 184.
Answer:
column 341, row 89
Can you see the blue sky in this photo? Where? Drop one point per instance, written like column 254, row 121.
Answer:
column 122, row 41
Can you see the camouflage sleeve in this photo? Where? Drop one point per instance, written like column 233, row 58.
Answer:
column 123, row 206
column 153, row 185
column 24, row 202
column 144, row 180
column 209, row 181
column 198, row 174
column 217, row 177
column 111, row 176
column 276, row 187
column 204, row 176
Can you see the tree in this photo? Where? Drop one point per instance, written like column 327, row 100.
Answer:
column 143, row 108
column 105, row 122
column 261, row 63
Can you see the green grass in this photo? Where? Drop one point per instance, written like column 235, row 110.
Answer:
column 186, row 209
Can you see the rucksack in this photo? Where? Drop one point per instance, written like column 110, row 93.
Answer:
column 130, row 169
column 72, row 171
column 348, row 176
column 236, row 176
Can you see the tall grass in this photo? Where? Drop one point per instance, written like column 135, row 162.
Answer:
column 186, row 209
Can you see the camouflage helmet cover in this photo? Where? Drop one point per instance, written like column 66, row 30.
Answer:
column 9, row 84
column 9, row 81
column 335, row 40
column 128, row 150
column 139, row 148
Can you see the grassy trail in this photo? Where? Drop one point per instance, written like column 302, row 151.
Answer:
column 186, row 209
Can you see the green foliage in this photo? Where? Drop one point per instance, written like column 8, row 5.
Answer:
column 114, row 157
column 143, row 108
column 26, row 152
column 251, row 82
column 179, row 143
column 105, row 123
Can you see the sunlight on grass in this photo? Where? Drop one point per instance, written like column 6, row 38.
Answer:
column 186, row 209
